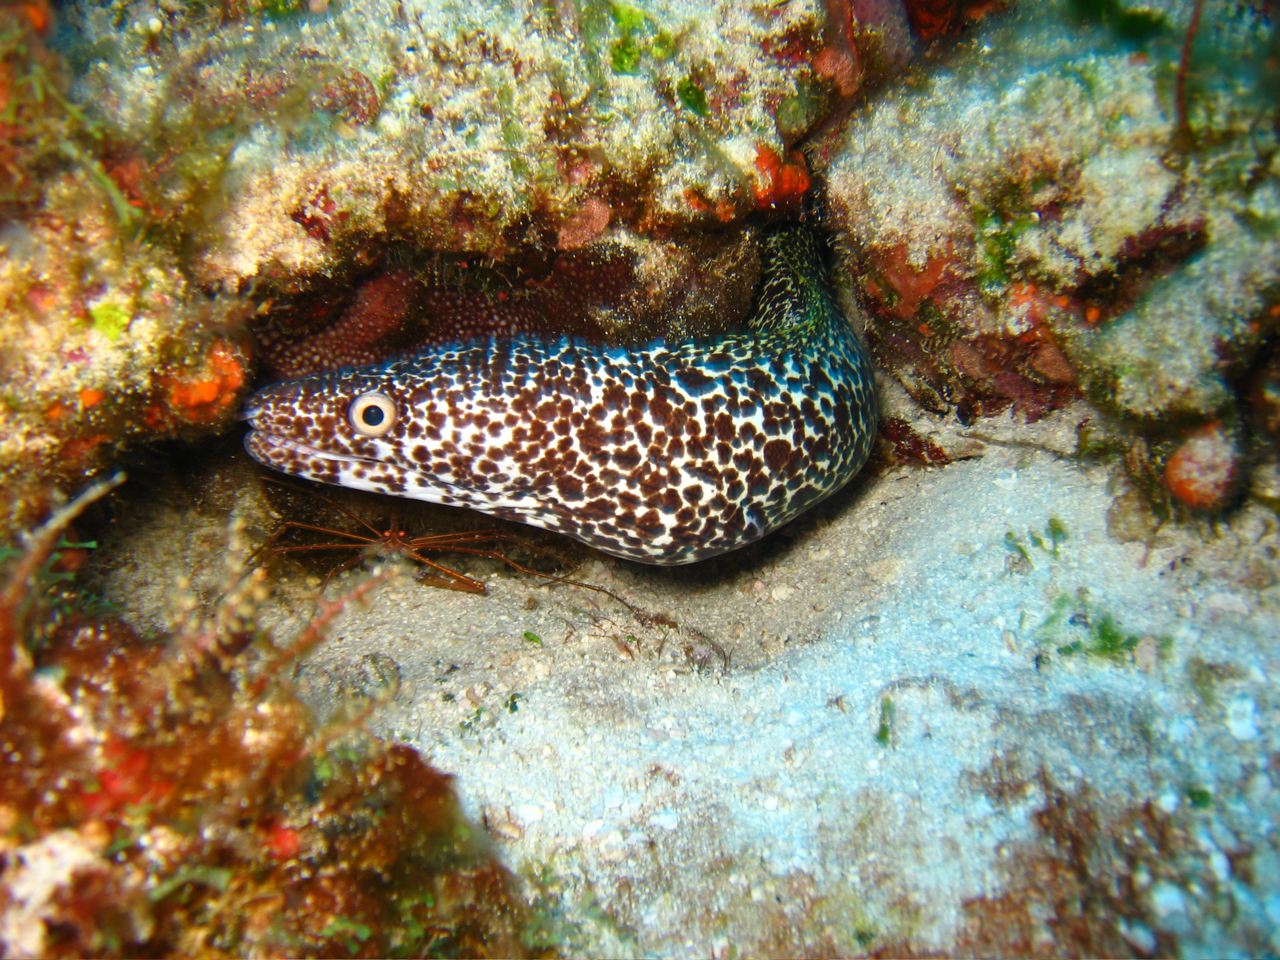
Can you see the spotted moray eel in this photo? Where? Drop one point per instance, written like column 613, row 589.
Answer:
column 666, row 453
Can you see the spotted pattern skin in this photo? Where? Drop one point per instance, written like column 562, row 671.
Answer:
column 667, row 453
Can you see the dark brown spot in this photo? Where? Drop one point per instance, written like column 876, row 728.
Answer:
column 614, row 396
column 592, row 437
column 627, row 459
column 694, row 380
column 760, row 381
column 649, row 521
column 569, row 486
column 597, row 510
column 660, row 410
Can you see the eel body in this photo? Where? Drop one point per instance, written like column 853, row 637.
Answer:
column 665, row 453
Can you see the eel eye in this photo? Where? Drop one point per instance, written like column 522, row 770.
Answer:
column 372, row 414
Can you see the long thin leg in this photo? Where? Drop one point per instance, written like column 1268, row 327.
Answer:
column 529, row 571
column 329, row 501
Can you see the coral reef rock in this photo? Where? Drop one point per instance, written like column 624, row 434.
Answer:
column 287, row 143
column 1079, row 196
column 105, row 339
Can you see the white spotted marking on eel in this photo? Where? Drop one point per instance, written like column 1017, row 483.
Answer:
column 667, row 453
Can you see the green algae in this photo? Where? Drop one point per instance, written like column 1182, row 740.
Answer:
column 624, row 56
column 799, row 112
column 55, row 595
column 1075, row 625
column 110, row 319
column 628, row 19
column 1131, row 24
column 282, row 9
column 1049, row 540
column 473, row 723
column 1106, row 640
column 692, row 96
column 1206, row 677
column 351, row 932
column 215, row 878
column 884, row 730
column 565, row 915
column 997, row 231
column 1199, row 798
column 663, row 46
column 638, row 38
column 513, row 132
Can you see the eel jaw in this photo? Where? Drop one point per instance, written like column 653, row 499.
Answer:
column 292, row 457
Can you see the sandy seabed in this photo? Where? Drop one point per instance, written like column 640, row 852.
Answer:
column 947, row 711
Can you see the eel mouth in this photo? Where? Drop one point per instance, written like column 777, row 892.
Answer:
column 284, row 453
column 299, row 459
